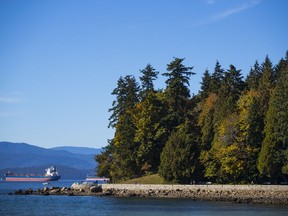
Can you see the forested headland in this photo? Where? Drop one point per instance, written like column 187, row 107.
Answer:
column 235, row 130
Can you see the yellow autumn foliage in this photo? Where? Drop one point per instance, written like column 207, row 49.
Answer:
column 206, row 108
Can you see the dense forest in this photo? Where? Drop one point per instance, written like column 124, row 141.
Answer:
column 234, row 130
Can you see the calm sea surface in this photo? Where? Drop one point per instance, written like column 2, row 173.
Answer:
column 64, row 205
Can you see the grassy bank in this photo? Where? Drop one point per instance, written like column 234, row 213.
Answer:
column 149, row 179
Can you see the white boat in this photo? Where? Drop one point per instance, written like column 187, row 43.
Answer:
column 83, row 185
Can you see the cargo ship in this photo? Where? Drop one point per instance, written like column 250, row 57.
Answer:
column 50, row 175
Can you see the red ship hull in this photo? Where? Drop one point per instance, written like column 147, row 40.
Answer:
column 31, row 179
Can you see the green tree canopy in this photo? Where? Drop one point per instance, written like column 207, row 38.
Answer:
column 151, row 133
column 230, row 132
column 180, row 156
column 273, row 156
column 229, row 93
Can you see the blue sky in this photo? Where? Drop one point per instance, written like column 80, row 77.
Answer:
column 61, row 59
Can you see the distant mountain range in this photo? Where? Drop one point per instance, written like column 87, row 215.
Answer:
column 72, row 162
column 78, row 150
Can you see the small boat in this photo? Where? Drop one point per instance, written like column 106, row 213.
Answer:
column 83, row 185
column 50, row 175
column 46, row 183
column 97, row 179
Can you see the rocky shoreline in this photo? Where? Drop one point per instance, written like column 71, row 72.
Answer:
column 257, row 194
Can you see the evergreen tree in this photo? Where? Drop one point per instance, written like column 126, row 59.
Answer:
column 150, row 131
column 124, row 156
column 104, row 160
column 126, row 94
column 177, row 91
column 225, row 133
column 273, row 156
column 216, row 78
column 253, row 77
column 265, row 85
column 149, row 74
column 282, row 65
column 233, row 84
column 229, row 93
column 205, row 121
column 205, row 85
column 250, row 133
column 180, row 156
column 124, row 147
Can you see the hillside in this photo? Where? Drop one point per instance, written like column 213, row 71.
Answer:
column 22, row 157
column 79, row 150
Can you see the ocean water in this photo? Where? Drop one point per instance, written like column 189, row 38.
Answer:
column 86, row 205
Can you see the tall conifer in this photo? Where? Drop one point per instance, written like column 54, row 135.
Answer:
column 273, row 160
column 177, row 92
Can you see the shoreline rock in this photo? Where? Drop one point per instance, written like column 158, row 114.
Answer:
column 256, row 194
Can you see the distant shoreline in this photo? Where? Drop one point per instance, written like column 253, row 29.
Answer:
column 256, row 194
